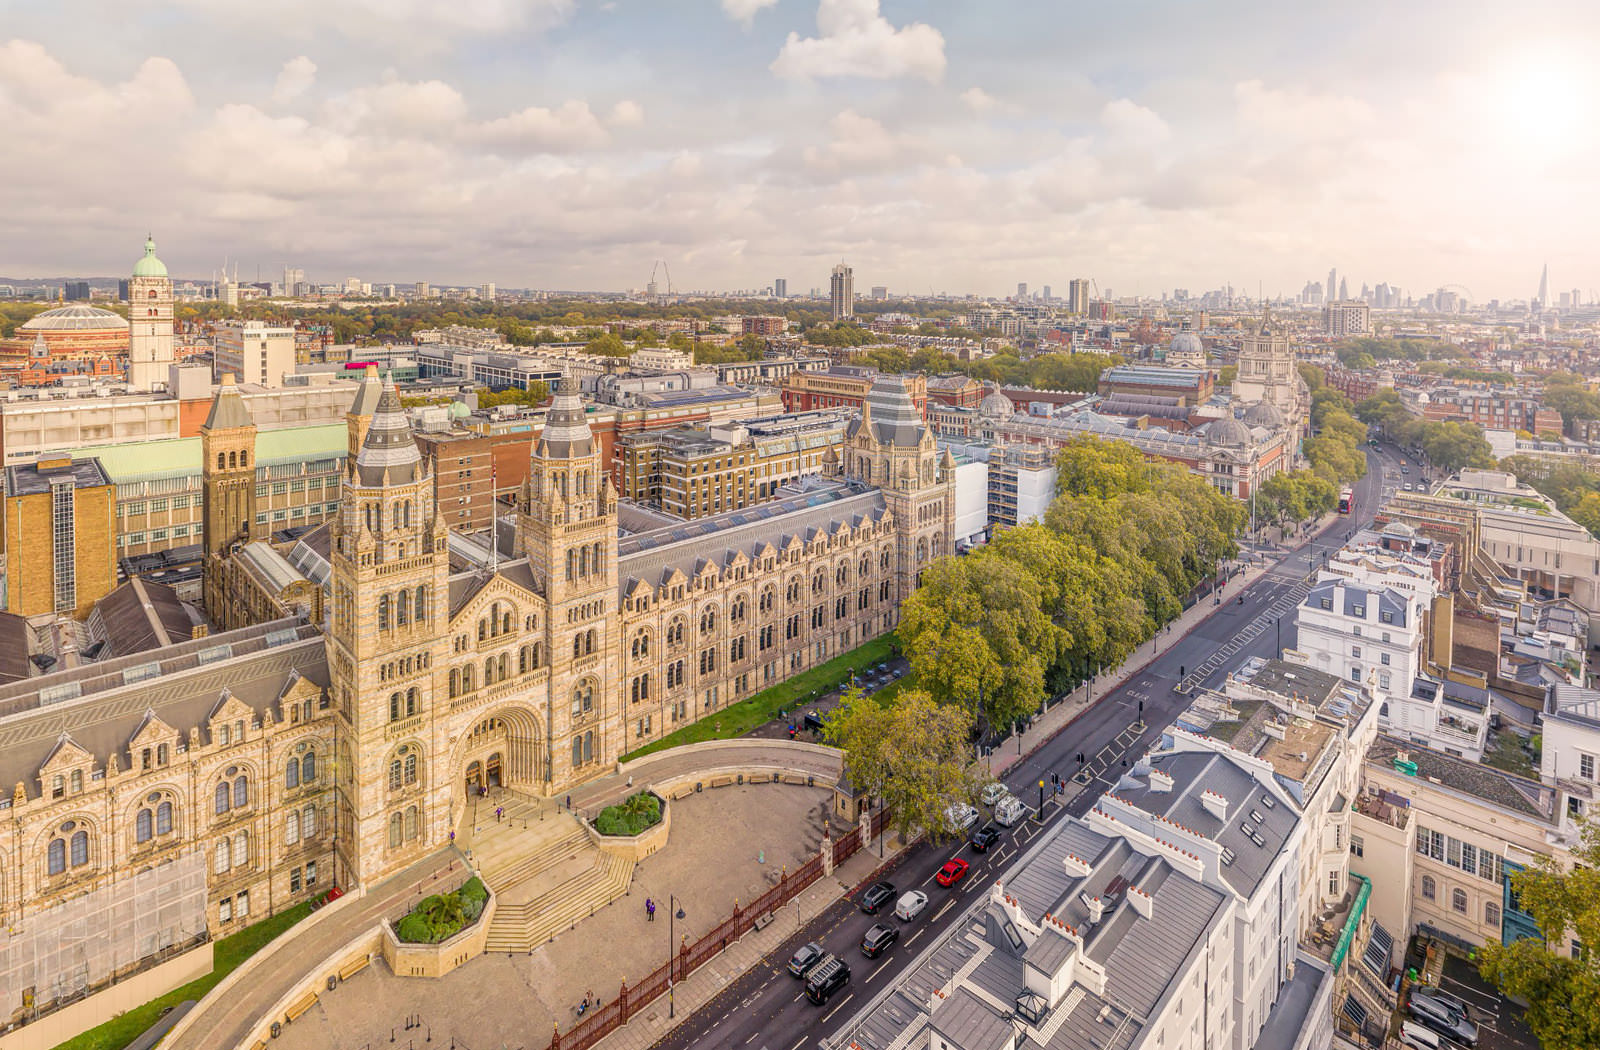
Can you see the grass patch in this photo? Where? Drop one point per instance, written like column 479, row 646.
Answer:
column 1507, row 753
column 738, row 719
column 229, row 952
column 630, row 816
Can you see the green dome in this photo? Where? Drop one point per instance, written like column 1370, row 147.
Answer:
column 149, row 266
column 458, row 410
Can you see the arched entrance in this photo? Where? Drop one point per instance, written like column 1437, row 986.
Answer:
column 500, row 750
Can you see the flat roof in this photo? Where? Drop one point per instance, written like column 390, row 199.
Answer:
column 30, row 479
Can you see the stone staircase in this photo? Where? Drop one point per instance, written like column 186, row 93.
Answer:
column 546, row 874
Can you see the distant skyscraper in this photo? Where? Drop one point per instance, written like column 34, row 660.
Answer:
column 293, row 278
column 489, row 290
column 880, row 291
column 1022, row 289
column 1078, row 295
column 842, row 293
column 422, row 289
column 1544, row 285
column 1332, row 288
column 1577, row 298
column 76, row 291
column 1047, row 293
column 780, row 288
column 1344, row 288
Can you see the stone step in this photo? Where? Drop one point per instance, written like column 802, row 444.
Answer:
column 505, row 869
column 521, row 927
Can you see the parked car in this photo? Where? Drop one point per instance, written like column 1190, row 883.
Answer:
column 985, row 837
column 830, row 975
column 812, row 721
column 1455, row 1002
column 876, row 896
column 910, row 905
column 1010, row 811
column 805, row 960
column 877, row 940
column 993, row 792
column 954, row 870
column 1442, row 1017
column 961, row 817
column 1420, row 1037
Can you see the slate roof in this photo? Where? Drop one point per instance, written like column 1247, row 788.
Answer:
column 227, row 407
column 1517, row 794
column 139, row 616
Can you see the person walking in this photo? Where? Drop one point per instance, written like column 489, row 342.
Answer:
column 650, row 909
column 499, row 814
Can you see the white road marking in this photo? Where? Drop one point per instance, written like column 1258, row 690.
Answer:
column 913, row 937
column 829, row 1015
column 876, row 969
column 942, row 910
column 798, row 1044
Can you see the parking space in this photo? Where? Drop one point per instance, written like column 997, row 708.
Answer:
column 1500, row 1023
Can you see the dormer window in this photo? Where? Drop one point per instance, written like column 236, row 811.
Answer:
column 1360, row 610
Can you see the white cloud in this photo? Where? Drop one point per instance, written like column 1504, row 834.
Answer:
column 626, row 114
column 861, row 145
column 1131, row 122
column 295, row 79
column 979, row 100
column 569, row 127
column 744, row 11
column 857, row 41
column 413, row 25
column 399, row 107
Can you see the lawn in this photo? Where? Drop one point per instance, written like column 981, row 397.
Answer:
column 738, row 719
column 229, row 952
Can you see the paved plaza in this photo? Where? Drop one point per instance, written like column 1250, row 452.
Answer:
column 726, row 843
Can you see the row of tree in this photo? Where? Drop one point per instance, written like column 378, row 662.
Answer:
column 1574, row 488
column 1450, row 445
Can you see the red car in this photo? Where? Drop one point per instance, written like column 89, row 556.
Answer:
column 952, row 872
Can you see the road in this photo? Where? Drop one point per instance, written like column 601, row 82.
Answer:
column 765, row 1008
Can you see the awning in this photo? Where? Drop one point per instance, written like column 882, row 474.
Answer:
column 1350, row 924
column 1380, row 946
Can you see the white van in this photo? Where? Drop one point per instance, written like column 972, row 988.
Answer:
column 1415, row 1035
column 1009, row 811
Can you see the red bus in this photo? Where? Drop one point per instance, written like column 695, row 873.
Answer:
column 1347, row 500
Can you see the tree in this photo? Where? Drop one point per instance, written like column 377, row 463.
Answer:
column 752, row 346
column 1087, row 466
column 1227, row 374
column 608, row 345
column 915, row 755
column 1315, row 378
column 1563, row 993
column 1452, row 445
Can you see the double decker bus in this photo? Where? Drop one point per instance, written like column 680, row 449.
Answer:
column 1347, row 500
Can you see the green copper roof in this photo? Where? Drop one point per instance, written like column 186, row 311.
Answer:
column 150, row 266
column 180, row 457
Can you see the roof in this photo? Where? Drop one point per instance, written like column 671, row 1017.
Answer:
column 388, row 454
column 149, row 265
column 139, row 616
column 16, row 645
column 227, row 407
column 1528, row 798
column 75, row 318
column 891, row 413
column 1391, row 604
column 566, row 430
column 28, row 479
column 368, row 393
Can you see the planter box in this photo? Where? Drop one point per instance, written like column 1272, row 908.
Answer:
column 436, row 960
column 636, row 847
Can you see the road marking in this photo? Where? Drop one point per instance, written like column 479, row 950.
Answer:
column 798, row 1044
column 752, row 1038
column 877, row 969
column 913, row 937
column 942, row 910
column 798, row 995
column 829, row 1015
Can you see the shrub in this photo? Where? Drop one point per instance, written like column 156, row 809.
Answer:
column 634, row 814
column 414, row 929
column 443, row 915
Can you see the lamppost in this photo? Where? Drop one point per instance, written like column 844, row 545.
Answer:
column 673, row 913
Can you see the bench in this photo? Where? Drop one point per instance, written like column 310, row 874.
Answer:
column 300, row 1006
column 763, row 921
column 353, row 967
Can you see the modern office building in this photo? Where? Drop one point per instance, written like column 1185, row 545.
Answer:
column 1346, row 318
column 780, row 288
column 255, row 352
column 842, row 293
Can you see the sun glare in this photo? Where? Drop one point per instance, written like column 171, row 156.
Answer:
column 1542, row 103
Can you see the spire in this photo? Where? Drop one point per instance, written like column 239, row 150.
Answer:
column 566, row 431
column 228, row 410
column 368, row 393
column 388, row 452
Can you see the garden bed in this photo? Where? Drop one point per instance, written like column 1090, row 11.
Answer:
column 443, row 915
column 634, row 814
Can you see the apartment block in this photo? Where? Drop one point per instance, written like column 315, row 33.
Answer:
column 58, row 533
column 255, row 352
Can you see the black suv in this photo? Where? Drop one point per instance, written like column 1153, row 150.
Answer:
column 878, row 939
column 830, row 975
column 985, row 837
column 877, row 895
column 804, row 960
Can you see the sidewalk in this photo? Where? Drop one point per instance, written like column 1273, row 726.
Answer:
column 702, row 986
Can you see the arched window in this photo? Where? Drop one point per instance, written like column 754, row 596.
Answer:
column 308, row 822
column 383, row 613
column 56, row 856
column 394, row 707
column 483, row 630
column 402, row 614
column 420, row 612
column 291, row 774
column 455, row 683
column 233, row 460
column 577, row 751
column 488, row 671
column 291, row 827
column 582, row 698
column 144, row 826
column 308, row 767
column 161, row 754
column 412, row 700
column 577, row 646
column 241, row 791
column 394, row 775
column 244, row 458
column 395, row 829
column 503, row 671
column 411, row 823
column 411, row 769
column 220, row 857
column 1429, row 889
column 222, row 798
column 77, row 781
column 505, row 621
column 589, row 641
column 80, row 848
column 1458, row 901
column 164, row 818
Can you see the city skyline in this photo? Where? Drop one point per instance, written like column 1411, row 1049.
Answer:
column 566, row 145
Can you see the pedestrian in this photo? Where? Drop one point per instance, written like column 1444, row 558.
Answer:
column 452, row 834
column 569, row 803
column 649, row 910
column 499, row 814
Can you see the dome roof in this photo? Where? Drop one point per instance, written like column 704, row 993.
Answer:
column 459, row 410
column 995, row 405
column 1228, row 433
column 149, row 266
column 1264, row 414
column 1187, row 343
column 1399, row 530
column 75, row 318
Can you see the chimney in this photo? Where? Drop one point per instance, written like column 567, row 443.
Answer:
column 1096, row 906
column 1076, row 866
column 1142, row 902
column 1214, row 804
column 1160, row 780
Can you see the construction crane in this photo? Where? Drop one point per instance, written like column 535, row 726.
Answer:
column 661, row 265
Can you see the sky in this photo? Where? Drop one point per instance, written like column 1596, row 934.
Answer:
column 936, row 146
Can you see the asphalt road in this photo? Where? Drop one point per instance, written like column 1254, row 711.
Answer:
column 766, row 1009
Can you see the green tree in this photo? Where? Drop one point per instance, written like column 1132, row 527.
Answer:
column 1452, row 445
column 1563, row 993
column 915, row 755
column 752, row 346
column 608, row 345
column 1227, row 374
column 647, row 338
column 1314, row 377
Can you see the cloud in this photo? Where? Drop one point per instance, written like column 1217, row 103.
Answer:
column 626, row 114
column 862, row 145
column 411, row 25
column 1130, row 122
column 399, row 107
column 569, row 127
column 294, row 80
column 856, row 41
column 979, row 100
column 744, row 11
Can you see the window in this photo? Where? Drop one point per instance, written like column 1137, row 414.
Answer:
column 291, row 774
column 394, row 775
column 1355, row 651
column 56, row 857
column 291, row 828
column 222, row 797
column 164, row 818
column 308, row 822
column 225, row 909
column 241, row 792
column 308, row 767
column 1491, row 914
column 1458, row 901
column 1357, row 846
column 582, row 698
column 1333, row 883
column 411, row 770
column 1429, row 888
column 1586, row 766
column 1383, row 658
column 1384, row 679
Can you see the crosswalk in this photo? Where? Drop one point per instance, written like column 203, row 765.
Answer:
column 1280, row 607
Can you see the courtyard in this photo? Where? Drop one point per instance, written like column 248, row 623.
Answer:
column 726, row 844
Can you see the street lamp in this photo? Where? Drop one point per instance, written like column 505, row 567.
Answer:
column 673, row 913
